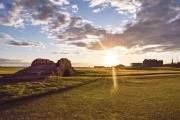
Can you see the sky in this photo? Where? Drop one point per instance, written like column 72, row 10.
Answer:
column 88, row 31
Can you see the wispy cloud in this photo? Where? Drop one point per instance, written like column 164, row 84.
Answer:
column 66, row 53
column 6, row 39
column 1, row 6
column 26, row 44
column 12, row 62
column 74, row 8
column 4, row 36
column 98, row 10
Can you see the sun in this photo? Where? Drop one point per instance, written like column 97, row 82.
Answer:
column 110, row 60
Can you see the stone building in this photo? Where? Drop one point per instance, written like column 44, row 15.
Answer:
column 152, row 63
column 136, row 64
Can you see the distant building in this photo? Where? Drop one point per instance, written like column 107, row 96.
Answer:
column 152, row 63
column 136, row 64
column 120, row 66
column 99, row 66
column 173, row 64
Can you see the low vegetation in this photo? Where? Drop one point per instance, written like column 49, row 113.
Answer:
column 133, row 94
column 16, row 91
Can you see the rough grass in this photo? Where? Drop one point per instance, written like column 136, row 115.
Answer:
column 138, row 95
column 16, row 91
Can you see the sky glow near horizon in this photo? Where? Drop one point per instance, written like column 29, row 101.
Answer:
column 86, row 31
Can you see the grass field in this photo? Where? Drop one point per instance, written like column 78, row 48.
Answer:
column 140, row 94
column 5, row 71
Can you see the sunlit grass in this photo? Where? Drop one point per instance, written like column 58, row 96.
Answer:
column 142, row 94
column 13, row 91
column 114, row 77
column 5, row 71
column 9, row 70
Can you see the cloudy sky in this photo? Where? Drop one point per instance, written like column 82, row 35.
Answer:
column 86, row 31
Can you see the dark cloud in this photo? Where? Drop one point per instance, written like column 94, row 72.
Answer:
column 34, row 11
column 10, row 62
column 157, row 24
column 76, row 21
column 79, row 44
column 154, row 26
column 79, row 30
column 25, row 44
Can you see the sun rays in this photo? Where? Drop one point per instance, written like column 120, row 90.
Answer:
column 114, row 77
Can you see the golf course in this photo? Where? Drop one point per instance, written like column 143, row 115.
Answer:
column 94, row 93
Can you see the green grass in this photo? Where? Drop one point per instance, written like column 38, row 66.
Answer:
column 16, row 91
column 140, row 95
column 5, row 71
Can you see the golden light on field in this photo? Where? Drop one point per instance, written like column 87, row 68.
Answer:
column 110, row 60
column 115, row 84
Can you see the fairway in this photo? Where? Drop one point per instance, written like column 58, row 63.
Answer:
column 135, row 94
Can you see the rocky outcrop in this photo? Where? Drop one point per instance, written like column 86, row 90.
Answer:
column 63, row 68
column 41, row 68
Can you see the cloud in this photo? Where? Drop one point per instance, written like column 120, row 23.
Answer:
column 1, row 6
column 153, row 27
column 101, row 8
column 79, row 44
column 157, row 23
column 67, row 53
column 11, row 62
column 74, row 8
column 6, row 39
column 36, row 12
column 131, row 6
column 4, row 36
column 98, row 10
column 25, row 44
column 60, row 2
column 14, row 17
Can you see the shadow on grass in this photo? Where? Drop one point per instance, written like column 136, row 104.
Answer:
column 14, row 102
column 2, row 75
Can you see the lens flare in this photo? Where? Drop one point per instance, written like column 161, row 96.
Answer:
column 115, row 84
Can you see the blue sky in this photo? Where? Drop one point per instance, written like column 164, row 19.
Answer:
column 86, row 31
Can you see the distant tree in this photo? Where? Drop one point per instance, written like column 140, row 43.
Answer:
column 120, row 66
